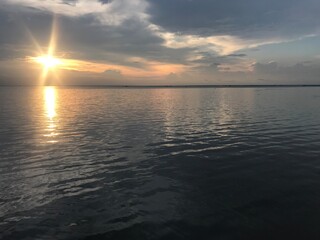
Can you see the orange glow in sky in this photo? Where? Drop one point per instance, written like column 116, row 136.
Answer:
column 52, row 64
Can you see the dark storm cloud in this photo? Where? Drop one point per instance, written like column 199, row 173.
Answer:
column 243, row 18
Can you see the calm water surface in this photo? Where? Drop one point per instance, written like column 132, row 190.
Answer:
column 81, row 163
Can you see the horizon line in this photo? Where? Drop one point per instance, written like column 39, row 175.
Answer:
column 167, row 86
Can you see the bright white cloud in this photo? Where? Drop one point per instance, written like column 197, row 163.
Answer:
column 113, row 13
column 223, row 45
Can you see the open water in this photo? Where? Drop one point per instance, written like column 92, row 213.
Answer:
column 159, row 163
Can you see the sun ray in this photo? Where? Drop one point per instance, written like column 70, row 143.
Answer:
column 34, row 41
column 49, row 61
column 24, row 26
column 46, row 58
column 54, row 35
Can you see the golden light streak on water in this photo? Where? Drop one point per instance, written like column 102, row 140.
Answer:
column 50, row 109
column 50, row 102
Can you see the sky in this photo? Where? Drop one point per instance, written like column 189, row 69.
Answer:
column 160, row 42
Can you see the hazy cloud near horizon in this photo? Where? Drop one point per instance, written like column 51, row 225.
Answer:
column 165, row 42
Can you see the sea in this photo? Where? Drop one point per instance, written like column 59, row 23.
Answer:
column 159, row 163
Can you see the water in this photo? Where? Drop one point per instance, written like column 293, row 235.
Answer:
column 163, row 163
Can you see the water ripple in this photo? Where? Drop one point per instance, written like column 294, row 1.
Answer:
column 158, row 163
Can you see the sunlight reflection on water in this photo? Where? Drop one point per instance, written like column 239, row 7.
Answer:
column 50, row 109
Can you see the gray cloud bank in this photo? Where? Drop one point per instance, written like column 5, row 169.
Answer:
column 244, row 18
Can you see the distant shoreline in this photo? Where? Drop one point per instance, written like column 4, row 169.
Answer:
column 169, row 86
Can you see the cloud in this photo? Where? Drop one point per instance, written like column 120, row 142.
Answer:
column 203, row 41
column 215, row 25
column 218, row 44
column 226, row 27
column 85, row 38
column 269, row 68
column 237, row 55
column 111, row 13
column 299, row 73
column 248, row 19
column 113, row 72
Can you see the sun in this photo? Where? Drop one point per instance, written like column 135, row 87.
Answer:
column 48, row 61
